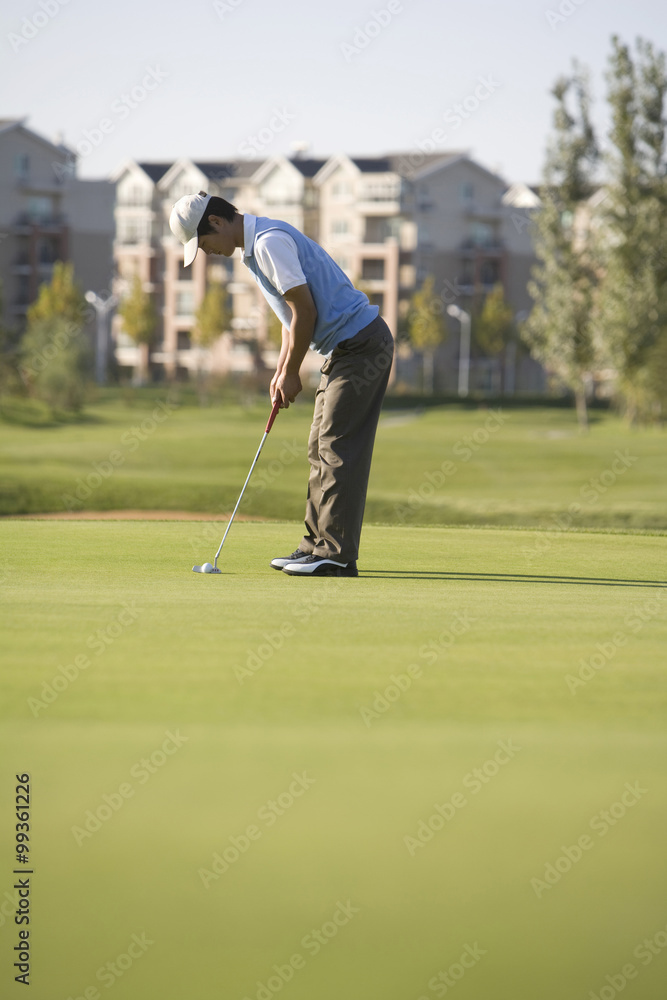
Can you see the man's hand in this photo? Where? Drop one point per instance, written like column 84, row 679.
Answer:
column 285, row 388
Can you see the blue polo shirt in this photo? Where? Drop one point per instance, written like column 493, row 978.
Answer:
column 342, row 310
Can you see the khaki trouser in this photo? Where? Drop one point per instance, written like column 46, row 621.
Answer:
column 340, row 447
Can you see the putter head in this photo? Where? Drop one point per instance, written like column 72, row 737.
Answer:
column 206, row 568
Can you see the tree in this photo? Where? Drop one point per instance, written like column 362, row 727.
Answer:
column 632, row 312
column 559, row 330
column 55, row 360
column 212, row 318
column 495, row 328
column 426, row 327
column 139, row 316
column 61, row 298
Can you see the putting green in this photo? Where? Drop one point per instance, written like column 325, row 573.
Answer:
column 448, row 773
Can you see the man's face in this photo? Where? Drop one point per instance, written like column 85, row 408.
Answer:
column 220, row 240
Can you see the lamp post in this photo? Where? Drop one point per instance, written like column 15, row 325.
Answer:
column 464, row 351
column 102, row 309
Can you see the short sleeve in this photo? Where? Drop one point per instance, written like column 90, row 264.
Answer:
column 277, row 256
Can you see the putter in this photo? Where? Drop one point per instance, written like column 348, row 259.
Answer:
column 206, row 567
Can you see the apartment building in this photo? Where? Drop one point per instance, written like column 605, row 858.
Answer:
column 388, row 221
column 48, row 214
column 145, row 246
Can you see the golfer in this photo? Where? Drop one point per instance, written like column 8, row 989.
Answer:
column 319, row 308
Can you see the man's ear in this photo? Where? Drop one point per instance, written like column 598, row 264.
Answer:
column 214, row 222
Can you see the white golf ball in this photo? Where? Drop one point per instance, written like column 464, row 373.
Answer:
column 207, row 568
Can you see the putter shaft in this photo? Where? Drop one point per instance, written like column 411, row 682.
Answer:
column 269, row 425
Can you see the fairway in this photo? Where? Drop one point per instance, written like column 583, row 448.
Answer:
column 445, row 775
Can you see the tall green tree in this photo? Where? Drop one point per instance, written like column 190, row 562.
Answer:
column 426, row 328
column 55, row 363
column 139, row 316
column 212, row 318
column 495, row 329
column 61, row 298
column 632, row 312
column 54, row 355
column 560, row 329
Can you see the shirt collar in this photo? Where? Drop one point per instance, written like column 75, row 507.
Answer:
column 249, row 224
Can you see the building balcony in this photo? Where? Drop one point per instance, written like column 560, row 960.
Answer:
column 490, row 248
column 372, row 207
column 475, row 211
column 25, row 223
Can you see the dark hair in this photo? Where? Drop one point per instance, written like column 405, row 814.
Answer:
column 216, row 206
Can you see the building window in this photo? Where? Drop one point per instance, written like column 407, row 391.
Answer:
column 184, row 273
column 47, row 251
column 372, row 270
column 183, row 340
column 489, row 272
column 341, row 189
column 481, row 234
column 40, row 209
column 21, row 166
column 339, row 226
column 185, row 303
column 467, row 192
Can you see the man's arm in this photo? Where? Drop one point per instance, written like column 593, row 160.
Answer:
column 287, row 386
column 284, row 347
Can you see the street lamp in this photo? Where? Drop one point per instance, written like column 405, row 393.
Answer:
column 102, row 309
column 464, row 350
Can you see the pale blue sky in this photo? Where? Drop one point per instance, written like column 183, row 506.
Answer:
column 225, row 73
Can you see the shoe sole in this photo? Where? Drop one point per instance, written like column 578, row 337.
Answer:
column 324, row 571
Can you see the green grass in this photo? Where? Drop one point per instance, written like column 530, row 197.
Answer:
column 527, row 619
column 448, row 465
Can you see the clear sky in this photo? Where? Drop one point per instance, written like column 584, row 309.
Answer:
column 216, row 79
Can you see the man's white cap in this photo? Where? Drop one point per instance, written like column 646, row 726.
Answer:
column 185, row 217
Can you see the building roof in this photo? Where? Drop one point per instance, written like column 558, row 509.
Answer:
column 231, row 168
column 154, row 170
column 307, row 167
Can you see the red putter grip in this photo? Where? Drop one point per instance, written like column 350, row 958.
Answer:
column 274, row 413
